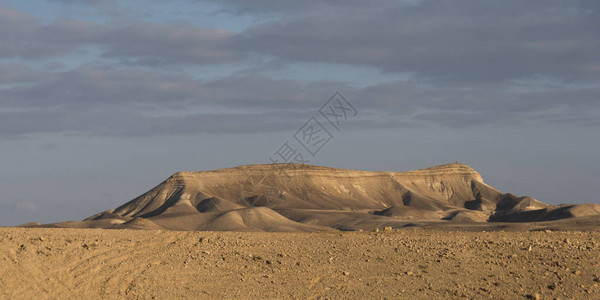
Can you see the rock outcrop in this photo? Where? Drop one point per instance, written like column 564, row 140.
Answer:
column 296, row 197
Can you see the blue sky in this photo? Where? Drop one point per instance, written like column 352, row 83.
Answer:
column 101, row 100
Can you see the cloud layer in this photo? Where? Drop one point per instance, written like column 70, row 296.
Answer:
column 469, row 63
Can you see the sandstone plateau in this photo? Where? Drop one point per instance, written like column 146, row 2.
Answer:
column 297, row 197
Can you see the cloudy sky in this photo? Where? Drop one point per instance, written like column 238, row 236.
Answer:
column 100, row 100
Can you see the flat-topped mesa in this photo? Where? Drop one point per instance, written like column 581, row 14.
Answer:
column 299, row 186
column 458, row 170
column 299, row 197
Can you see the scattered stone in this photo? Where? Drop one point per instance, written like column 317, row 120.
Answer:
column 535, row 296
column 387, row 229
column 89, row 246
column 345, row 273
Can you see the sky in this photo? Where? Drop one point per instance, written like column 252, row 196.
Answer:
column 101, row 100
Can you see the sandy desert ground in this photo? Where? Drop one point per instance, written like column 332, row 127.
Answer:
column 415, row 263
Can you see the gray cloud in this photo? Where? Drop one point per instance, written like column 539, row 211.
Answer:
column 22, row 37
column 472, row 63
column 19, row 73
column 102, row 99
column 294, row 8
column 86, row 2
column 104, row 84
column 149, row 43
column 105, row 100
column 138, row 42
column 446, row 40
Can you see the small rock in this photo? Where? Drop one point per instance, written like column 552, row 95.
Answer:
column 534, row 297
column 205, row 252
column 345, row 273
column 387, row 229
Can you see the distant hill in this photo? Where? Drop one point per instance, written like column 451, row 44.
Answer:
column 297, row 197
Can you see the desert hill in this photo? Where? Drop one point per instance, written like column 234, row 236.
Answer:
column 297, row 197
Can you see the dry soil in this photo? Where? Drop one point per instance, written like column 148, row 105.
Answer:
column 44, row 263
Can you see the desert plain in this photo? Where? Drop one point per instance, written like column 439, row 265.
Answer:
column 410, row 263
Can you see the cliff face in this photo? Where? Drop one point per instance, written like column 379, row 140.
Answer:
column 291, row 186
column 295, row 197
